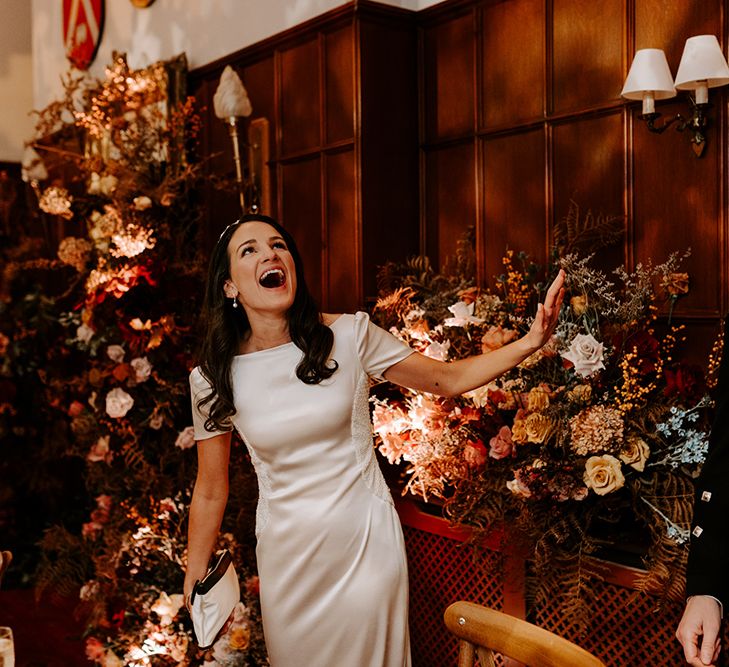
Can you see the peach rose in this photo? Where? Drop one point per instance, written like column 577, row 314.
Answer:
column 538, row 399
column 94, row 649
column 496, row 337
column 603, row 474
column 240, row 638
column 501, row 445
column 579, row 304
column 538, row 427
column 635, row 453
column 185, row 438
column 475, row 454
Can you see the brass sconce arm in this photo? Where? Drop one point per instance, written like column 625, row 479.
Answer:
column 696, row 124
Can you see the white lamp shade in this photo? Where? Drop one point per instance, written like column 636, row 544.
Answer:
column 702, row 60
column 649, row 73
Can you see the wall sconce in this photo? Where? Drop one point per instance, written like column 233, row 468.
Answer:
column 702, row 66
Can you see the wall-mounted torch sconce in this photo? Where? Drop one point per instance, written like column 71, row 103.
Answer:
column 702, row 66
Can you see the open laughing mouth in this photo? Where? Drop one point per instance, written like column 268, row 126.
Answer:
column 273, row 278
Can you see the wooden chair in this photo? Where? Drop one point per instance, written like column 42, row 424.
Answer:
column 483, row 631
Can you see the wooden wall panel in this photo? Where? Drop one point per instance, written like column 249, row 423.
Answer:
column 678, row 205
column 588, row 167
column 448, row 68
column 388, row 146
column 512, row 62
column 300, row 100
column 302, row 214
column 667, row 25
column 588, row 41
column 514, row 199
column 339, row 83
column 342, row 249
column 450, row 199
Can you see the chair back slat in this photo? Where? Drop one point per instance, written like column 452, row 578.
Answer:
column 513, row 637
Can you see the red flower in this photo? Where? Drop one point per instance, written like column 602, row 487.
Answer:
column 685, row 381
column 646, row 347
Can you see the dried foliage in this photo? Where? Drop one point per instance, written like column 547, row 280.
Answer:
column 97, row 344
column 592, row 439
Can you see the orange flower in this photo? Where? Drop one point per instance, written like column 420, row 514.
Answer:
column 676, row 284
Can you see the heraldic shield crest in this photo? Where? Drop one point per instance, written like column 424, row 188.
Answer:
column 83, row 22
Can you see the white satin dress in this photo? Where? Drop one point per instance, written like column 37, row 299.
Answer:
column 330, row 551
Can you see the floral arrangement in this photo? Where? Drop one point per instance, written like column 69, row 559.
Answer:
column 602, row 427
column 98, row 339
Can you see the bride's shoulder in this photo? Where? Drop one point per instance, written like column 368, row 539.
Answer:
column 330, row 318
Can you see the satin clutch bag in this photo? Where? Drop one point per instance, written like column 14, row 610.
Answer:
column 213, row 599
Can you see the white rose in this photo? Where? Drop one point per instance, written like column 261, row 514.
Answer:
column 462, row 315
column 115, row 353
column 167, row 606
column 603, row 474
column 185, row 438
column 84, row 333
column 635, row 453
column 437, row 351
column 586, row 354
column 142, row 203
column 118, row 403
column 142, row 369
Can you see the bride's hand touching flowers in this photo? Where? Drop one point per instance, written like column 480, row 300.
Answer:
column 547, row 314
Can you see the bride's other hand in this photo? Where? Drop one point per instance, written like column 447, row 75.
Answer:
column 547, row 314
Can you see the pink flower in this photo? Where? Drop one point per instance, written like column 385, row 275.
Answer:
column 387, row 419
column 100, row 450
column 496, row 337
column 394, row 446
column 501, row 445
column 475, row 454
column 94, row 649
column 91, row 529
column 186, row 438
column 75, row 409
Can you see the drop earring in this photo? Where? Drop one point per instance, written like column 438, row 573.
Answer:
column 235, row 302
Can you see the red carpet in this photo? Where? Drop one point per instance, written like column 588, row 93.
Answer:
column 46, row 634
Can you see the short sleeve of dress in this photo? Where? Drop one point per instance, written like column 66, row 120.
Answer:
column 200, row 387
column 377, row 349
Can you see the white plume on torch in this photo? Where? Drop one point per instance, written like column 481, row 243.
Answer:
column 231, row 98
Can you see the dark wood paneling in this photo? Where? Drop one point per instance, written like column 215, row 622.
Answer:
column 587, row 52
column 677, row 205
column 300, row 103
column 514, row 199
column 340, row 94
column 588, row 167
column 512, row 62
column 448, row 53
column 388, row 177
column 450, row 199
column 302, row 215
column 343, row 253
column 667, row 25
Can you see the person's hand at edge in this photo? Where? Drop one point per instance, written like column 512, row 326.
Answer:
column 698, row 631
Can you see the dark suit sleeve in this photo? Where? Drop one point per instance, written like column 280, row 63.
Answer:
column 708, row 563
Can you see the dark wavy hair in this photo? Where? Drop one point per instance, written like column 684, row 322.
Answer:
column 225, row 327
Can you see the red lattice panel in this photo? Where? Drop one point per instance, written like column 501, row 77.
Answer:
column 443, row 570
column 624, row 630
